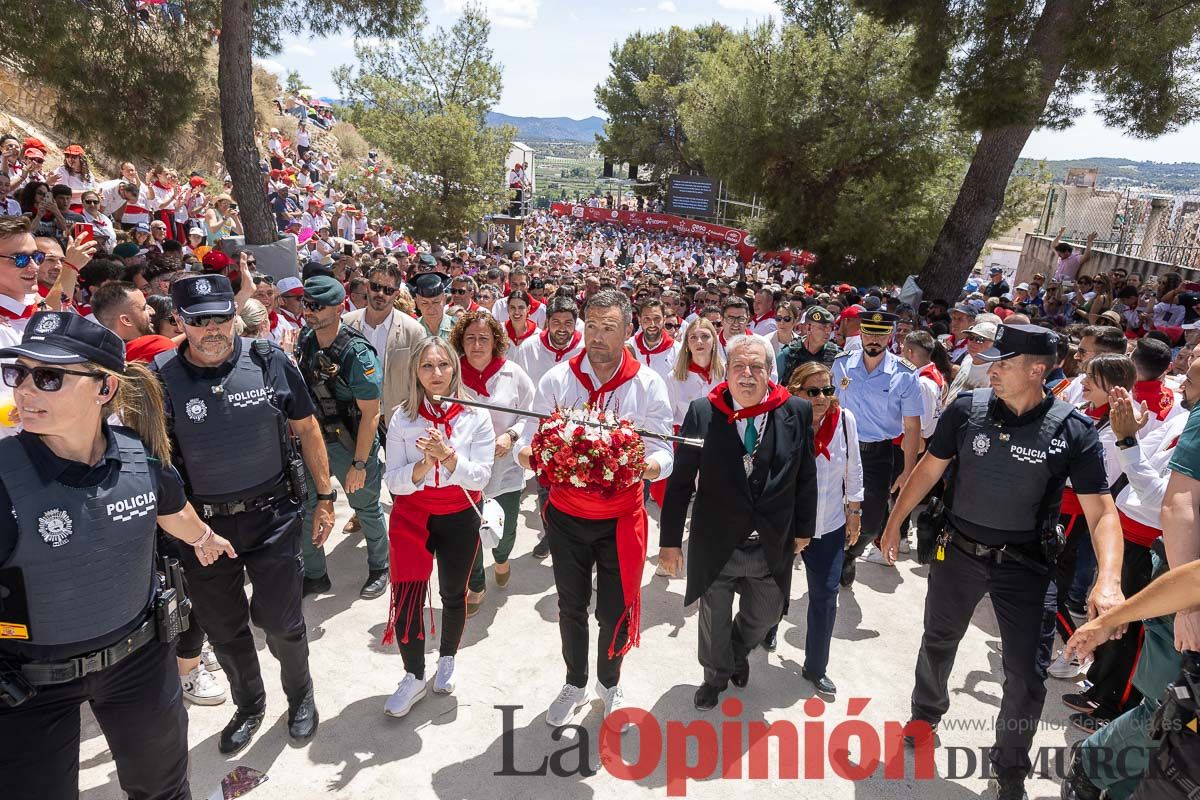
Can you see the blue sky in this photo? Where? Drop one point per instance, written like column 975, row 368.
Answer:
column 554, row 52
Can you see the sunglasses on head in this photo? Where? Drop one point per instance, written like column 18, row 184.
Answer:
column 259, row 279
column 379, row 287
column 828, row 391
column 22, row 260
column 45, row 379
column 204, row 320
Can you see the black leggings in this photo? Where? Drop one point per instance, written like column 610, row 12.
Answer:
column 453, row 540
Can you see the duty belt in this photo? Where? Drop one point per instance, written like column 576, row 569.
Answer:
column 994, row 554
column 210, row 510
column 62, row 672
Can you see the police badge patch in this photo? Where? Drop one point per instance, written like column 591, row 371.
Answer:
column 196, row 409
column 55, row 527
column 202, row 286
column 980, row 444
column 845, row 383
column 47, row 324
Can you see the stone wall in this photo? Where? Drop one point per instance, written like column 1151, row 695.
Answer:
column 1038, row 256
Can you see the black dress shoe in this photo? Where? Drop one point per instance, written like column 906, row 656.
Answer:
column 318, row 585
column 376, row 585
column 303, row 719
column 240, row 730
column 741, row 675
column 822, row 684
column 707, row 696
column 541, row 549
column 771, row 642
column 1011, row 789
column 848, row 570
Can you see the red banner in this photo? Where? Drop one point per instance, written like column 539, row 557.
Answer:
column 707, row 231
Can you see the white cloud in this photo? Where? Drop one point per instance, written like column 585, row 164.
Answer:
column 502, row 13
column 271, row 66
column 757, row 6
column 300, row 49
column 667, row 6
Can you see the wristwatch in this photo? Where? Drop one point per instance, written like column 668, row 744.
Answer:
column 854, row 512
column 359, row 465
column 331, row 497
column 1127, row 442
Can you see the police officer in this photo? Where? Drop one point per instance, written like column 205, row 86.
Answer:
column 80, row 602
column 882, row 392
column 344, row 380
column 429, row 293
column 1016, row 439
column 816, row 344
column 229, row 402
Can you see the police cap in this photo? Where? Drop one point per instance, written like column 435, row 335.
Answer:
column 818, row 314
column 197, row 295
column 426, row 262
column 64, row 337
column 1017, row 340
column 877, row 322
column 429, row 284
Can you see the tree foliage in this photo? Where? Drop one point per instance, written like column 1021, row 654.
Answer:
column 641, row 98
column 821, row 123
column 1024, row 197
column 422, row 100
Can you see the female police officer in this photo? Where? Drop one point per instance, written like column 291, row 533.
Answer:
column 78, row 505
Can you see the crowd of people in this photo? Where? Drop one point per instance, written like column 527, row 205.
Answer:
column 832, row 416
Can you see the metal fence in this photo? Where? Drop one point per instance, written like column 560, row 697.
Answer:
column 1133, row 222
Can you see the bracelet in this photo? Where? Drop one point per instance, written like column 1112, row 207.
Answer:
column 449, row 456
column 204, row 537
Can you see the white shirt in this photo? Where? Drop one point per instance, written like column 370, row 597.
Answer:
column 471, row 437
column 759, row 422
column 378, row 337
column 537, row 359
column 693, row 387
column 1146, row 467
column 10, row 336
column 510, row 387
column 931, row 399
column 764, row 327
column 642, row 399
column 662, row 363
column 500, row 312
column 839, row 477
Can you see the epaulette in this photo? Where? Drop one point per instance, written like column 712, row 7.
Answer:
column 904, row 362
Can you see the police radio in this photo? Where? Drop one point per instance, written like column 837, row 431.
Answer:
column 171, row 605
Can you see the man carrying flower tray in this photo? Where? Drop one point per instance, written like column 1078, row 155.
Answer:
column 596, row 514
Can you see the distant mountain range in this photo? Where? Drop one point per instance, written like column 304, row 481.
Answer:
column 1183, row 176
column 550, row 129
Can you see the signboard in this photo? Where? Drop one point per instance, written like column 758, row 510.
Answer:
column 692, row 195
column 1082, row 177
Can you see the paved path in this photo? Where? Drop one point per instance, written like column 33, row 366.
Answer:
column 451, row 747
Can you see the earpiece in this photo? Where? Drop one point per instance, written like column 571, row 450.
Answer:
column 104, row 388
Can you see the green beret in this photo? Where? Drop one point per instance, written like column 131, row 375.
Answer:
column 428, row 260
column 325, row 290
column 125, row 250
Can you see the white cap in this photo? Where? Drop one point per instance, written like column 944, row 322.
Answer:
column 289, row 285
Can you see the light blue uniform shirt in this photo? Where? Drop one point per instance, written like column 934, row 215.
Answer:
column 879, row 400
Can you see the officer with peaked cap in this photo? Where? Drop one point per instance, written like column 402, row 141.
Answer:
column 429, row 293
column 230, row 402
column 1017, row 442
column 815, row 345
column 79, row 597
column 881, row 390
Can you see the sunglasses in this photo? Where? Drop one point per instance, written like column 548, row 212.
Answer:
column 22, row 260
column 91, row 202
column 312, row 305
column 204, row 320
column 45, row 379
column 38, row 160
column 784, row 319
column 977, row 339
column 250, row 262
column 260, row 279
column 671, row 326
column 828, row 391
column 460, row 291
column 381, row 289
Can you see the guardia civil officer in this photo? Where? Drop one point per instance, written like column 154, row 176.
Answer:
column 229, row 404
column 1017, row 439
column 881, row 390
column 81, row 601
column 344, row 380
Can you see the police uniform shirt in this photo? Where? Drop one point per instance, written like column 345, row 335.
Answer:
column 1081, row 461
column 881, row 399
column 443, row 331
column 169, row 497
column 359, row 375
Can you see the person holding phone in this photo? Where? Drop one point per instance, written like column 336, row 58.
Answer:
column 96, row 226
column 222, row 220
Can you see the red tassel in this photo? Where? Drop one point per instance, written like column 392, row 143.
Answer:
column 407, row 598
column 632, row 616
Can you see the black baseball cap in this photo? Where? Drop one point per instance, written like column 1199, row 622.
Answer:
column 1018, row 340
column 429, row 284
column 64, row 337
column 197, row 295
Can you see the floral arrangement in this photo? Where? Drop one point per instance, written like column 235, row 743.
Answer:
column 588, row 449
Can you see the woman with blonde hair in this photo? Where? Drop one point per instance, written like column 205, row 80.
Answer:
column 697, row 369
column 439, row 460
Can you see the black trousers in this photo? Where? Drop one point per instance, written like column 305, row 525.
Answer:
column 453, row 540
column 268, row 547
column 139, row 705
column 956, row 585
column 576, row 545
column 882, row 463
column 1112, row 670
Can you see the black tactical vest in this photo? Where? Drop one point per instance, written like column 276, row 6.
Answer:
column 86, row 554
column 1003, row 472
column 322, row 370
column 227, row 429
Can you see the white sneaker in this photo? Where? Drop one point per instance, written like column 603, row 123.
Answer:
column 661, row 571
column 1066, row 670
column 410, row 690
column 443, row 682
column 614, row 699
column 905, row 547
column 202, row 688
column 565, row 706
column 875, row 556
column 208, row 658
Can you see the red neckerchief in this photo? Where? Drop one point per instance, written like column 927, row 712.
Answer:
column 663, row 346
column 530, row 329
column 624, row 374
column 294, row 320
column 776, row 396
column 162, row 185
column 558, row 354
column 1174, row 442
column 43, row 289
column 476, row 379
column 825, row 432
column 703, row 372
column 1159, row 399
column 26, row 314
column 766, row 316
column 273, row 316
column 930, row 371
column 1098, row 412
column 721, row 338
column 442, row 418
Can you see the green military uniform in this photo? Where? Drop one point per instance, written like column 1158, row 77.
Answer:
column 796, row 354
column 358, row 377
column 443, row 331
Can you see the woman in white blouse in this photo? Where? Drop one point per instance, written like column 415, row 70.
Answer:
column 490, row 377
column 785, row 328
column 839, row 512
column 697, row 369
column 439, row 459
